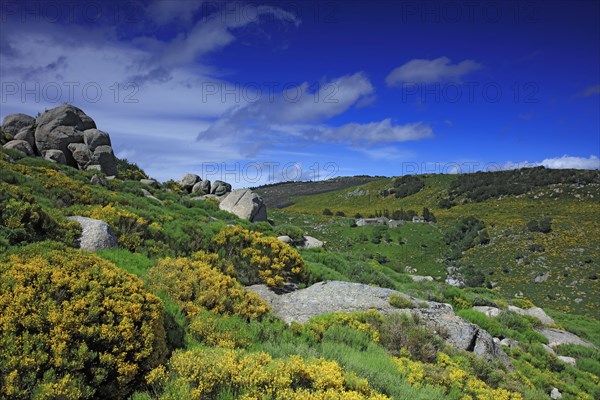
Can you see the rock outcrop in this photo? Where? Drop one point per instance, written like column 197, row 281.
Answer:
column 535, row 312
column 28, row 134
column 245, row 204
column 333, row 296
column 188, row 181
column 150, row 182
column 56, row 156
column 13, row 123
column 286, row 239
column 22, row 146
column 95, row 234
column 65, row 135
column 311, row 243
column 220, row 188
column 194, row 184
column 557, row 337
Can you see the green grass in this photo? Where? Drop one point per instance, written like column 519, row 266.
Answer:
column 571, row 251
column 134, row 263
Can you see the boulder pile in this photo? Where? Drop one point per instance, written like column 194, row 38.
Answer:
column 64, row 135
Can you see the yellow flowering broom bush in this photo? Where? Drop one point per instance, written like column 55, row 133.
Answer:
column 23, row 220
column 73, row 326
column 196, row 286
column 259, row 258
column 449, row 375
column 130, row 227
column 203, row 373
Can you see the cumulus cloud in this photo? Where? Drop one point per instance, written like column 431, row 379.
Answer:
column 303, row 118
column 375, row 132
column 430, row 71
column 291, row 110
column 151, row 86
column 564, row 162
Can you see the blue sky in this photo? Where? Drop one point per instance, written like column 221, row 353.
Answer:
column 253, row 92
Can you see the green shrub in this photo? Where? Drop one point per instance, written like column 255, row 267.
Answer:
column 74, row 326
column 399, row 301
column 327, row 211
column 129, row 170
column 295, row 233
column 22, row 220
column 402, row 331
column 407, row 185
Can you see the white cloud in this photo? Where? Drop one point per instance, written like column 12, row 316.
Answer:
column 303, row 119
column 429, row 71
column 332, row 98
column 170, row 106
column 375, row 132
column 291, row 111
column 564, row 162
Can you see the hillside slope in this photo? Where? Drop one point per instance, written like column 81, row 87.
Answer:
column 166, row 315
column 558, row 269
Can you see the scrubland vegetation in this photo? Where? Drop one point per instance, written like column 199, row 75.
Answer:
column 167, row 314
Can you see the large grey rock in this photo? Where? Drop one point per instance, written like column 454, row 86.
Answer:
column 555, row 394
column 285, row 239
column 13, row 123
column 533, row 312
column 95, row 234
column 568, row 360
column 540, row 314
column 509, row 343
column 188, row 181
column 420, row 278
column 333, row 296
column 28, row 134
column 245, row 204
column 96, row 180
column 548, row 349
column 488, row 311
column 149, row 195
column 197, row 189
column 311, row 243
column 205, row 186
column 59, row 127
column 81, row 154
column 557, row 337
column 94, row 138
column 150, row 182
column 21, row 146
column 56, row 156
column 220, row 188
column 105, row 158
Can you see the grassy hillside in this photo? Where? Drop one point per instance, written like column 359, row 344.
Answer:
column 569, row 254
column 279, row 195
column 166, row 315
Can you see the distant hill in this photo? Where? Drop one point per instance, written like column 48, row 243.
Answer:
column 558, row 268
column 280, row 195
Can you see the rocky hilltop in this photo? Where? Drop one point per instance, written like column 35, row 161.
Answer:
column 67, row 135
column 64, row 135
